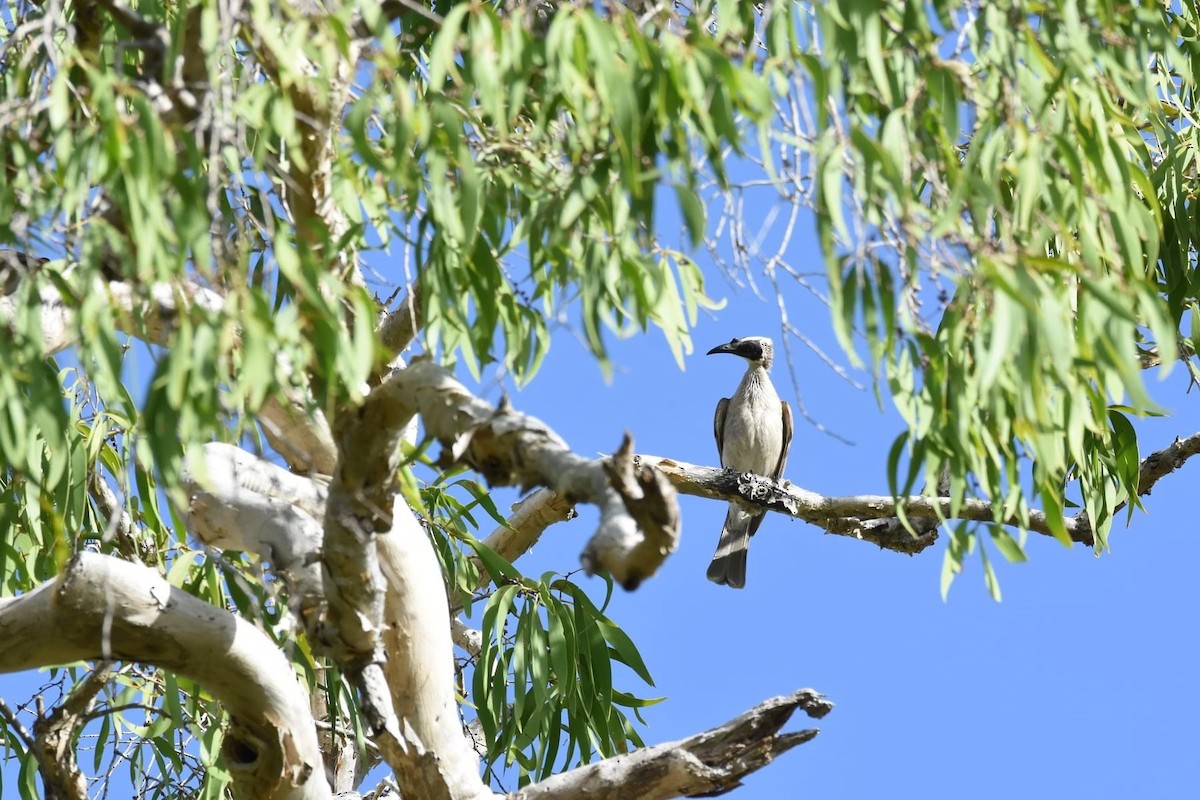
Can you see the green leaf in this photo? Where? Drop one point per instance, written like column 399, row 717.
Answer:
column 484, row 499
column 624, row 649
column 496, row 566
column 694, row 213
column 989, row 576
column 1007, row 545
column 952, row 560
column 1125, row 458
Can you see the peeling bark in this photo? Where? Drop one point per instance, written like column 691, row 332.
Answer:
column 439, row 762
column 224, row 511
column 530, row 517
column 232, row 471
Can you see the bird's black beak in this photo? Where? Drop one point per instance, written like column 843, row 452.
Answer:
column 731, row 347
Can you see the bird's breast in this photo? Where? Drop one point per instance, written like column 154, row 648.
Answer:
column 753, row 432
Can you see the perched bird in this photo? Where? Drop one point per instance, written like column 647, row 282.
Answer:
column 753, row 430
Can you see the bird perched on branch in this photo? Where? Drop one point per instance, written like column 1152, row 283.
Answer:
column 753, row 430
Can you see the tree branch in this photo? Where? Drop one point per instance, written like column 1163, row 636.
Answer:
column 399, row 326
column 530, row 517
column 306, row 182
column 119, row 525
column 709, row 763
column 226, row 509
column 439, row 761
column 100, row 607
column 1162, row 463
column 238, row 471
column 873, row 518
column 870, row 518
column 131, row 21
column 238, row 502
column 637, row 531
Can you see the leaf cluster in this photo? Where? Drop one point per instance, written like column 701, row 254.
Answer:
column 1005, row 208
column 543, row 683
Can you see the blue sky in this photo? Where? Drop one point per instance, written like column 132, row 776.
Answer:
column 1079, row 682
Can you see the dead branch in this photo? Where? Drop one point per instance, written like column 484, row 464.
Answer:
column 709, row 763
column 55, row 735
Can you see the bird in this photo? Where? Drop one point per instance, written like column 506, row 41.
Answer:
column 753, row 429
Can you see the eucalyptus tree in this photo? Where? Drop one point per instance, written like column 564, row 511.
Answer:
column 218, row 519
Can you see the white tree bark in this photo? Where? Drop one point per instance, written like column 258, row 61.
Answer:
column 104, row 608
column 420, row 666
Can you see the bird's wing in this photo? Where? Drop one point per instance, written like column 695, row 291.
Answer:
column 787, row 441
column 719, row 427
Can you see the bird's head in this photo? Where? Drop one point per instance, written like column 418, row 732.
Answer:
column 758, row 350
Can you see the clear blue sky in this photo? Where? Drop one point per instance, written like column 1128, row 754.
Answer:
column 1079, row 683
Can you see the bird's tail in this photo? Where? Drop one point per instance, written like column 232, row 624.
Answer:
column 729, row 562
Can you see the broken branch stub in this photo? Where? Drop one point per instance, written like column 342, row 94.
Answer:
column 650, row 499
column 639, row 524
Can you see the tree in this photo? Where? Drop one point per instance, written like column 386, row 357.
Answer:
column 193, row 192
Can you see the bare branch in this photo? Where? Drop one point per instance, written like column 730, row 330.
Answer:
column 104, row 608
column 119, row 526
column 709, row 763
column 306, row 182
column 870, row 518
column 439, row 761
column 231, row 467
column 227, row 510
column 299, row 434
column 466, row 637
column 1150, row 357
column 14, row 724
column 1158, row 465
column 399, row 326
